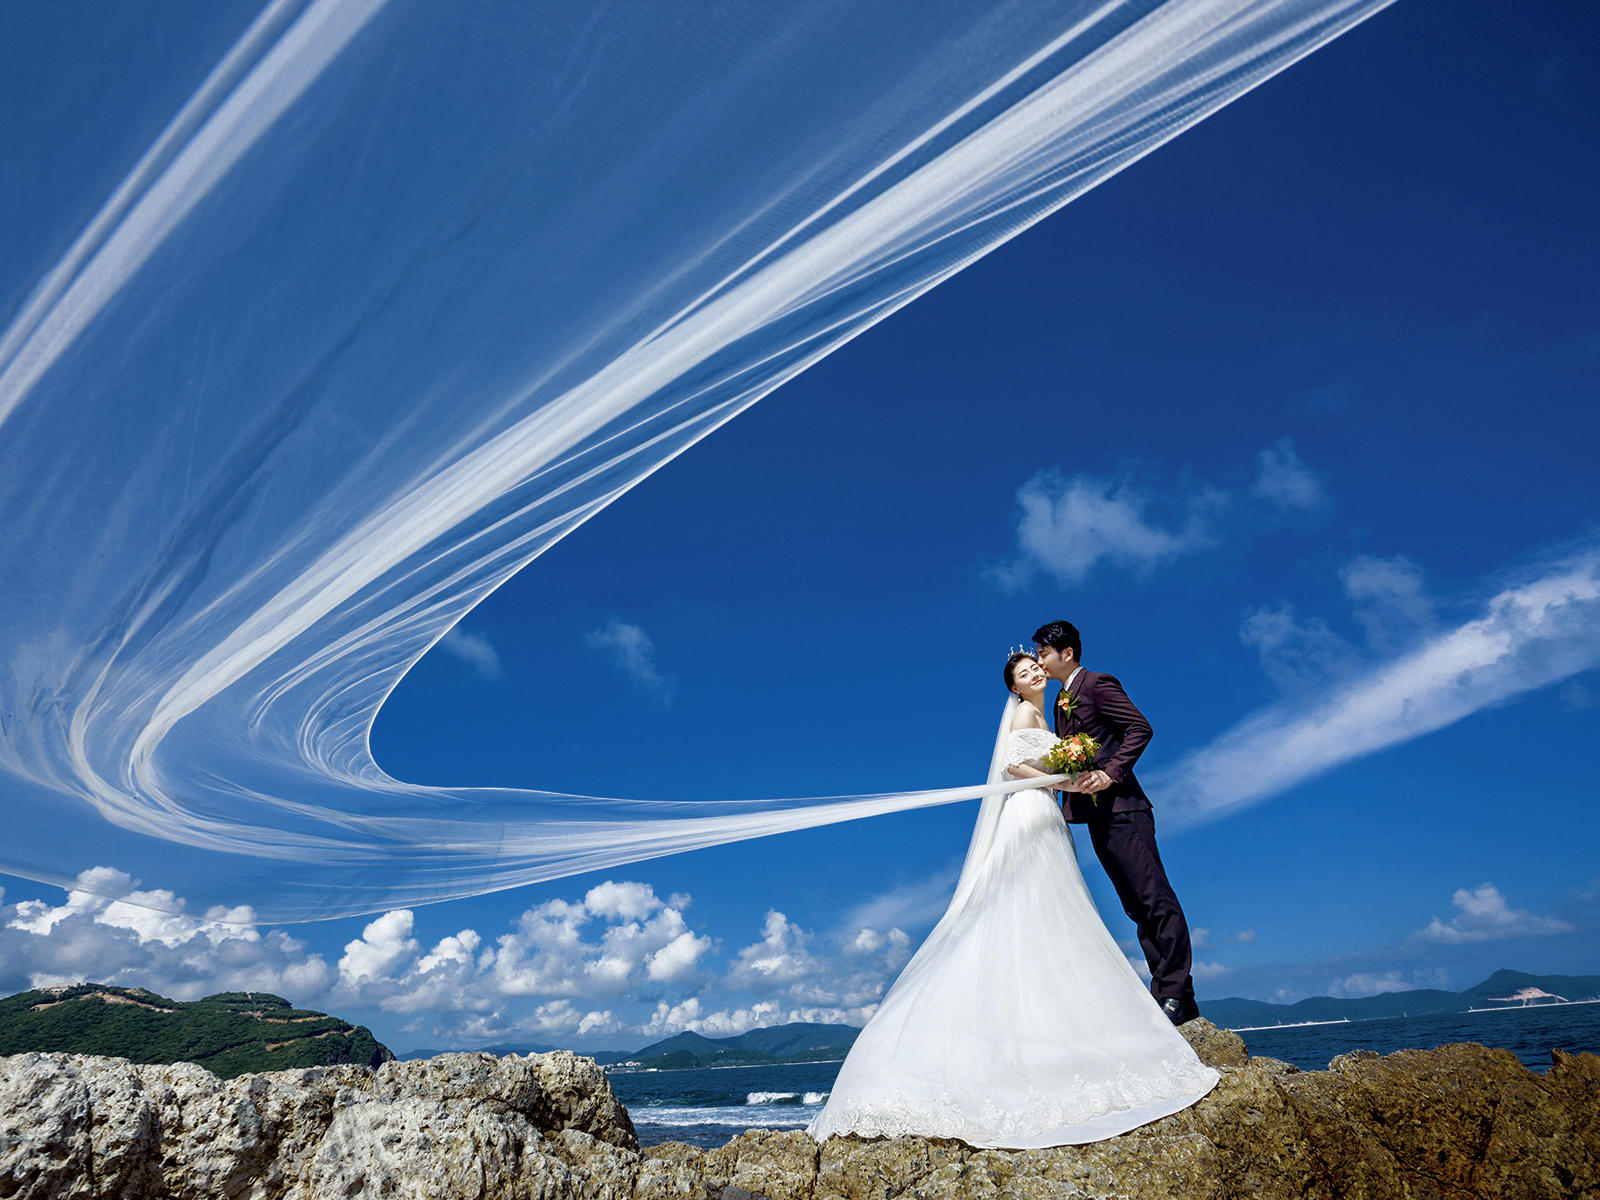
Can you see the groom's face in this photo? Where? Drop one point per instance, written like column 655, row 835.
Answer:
column 1059, row 663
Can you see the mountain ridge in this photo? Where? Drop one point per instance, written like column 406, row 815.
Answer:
column 229, row 1033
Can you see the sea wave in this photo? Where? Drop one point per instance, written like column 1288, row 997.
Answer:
column 742, row 1116
column 785, row 1098
column 772, row 1098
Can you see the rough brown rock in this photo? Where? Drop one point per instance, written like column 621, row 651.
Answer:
column 1215, row 1047
column 460, row 1124
column 1457, row 1123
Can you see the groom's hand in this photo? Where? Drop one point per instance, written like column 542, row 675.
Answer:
column 1092, row 781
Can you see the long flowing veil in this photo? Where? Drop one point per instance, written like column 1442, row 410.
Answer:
column 346, row 313
column 989, row 810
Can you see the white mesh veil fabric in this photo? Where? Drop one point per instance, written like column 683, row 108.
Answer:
column 983, row 829
column 309, row 364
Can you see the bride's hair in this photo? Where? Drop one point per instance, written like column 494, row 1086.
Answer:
column 1011, row 665
column 1060, row 635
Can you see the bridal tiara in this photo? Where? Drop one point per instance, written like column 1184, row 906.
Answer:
column 1023, row 649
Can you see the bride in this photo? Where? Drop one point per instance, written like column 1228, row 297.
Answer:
column 1019, row 1023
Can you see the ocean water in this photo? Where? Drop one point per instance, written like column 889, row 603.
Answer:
column 1529, row 1033
column 707, row 1107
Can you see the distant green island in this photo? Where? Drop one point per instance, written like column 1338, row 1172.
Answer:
column 1500, row 990
column 230, row 1034
column 798, row 1042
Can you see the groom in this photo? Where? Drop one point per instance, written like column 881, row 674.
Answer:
column 1120, row 823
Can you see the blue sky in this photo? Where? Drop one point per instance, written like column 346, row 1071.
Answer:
column 1289, row 399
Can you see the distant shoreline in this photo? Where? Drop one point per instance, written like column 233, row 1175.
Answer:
column 802, row 1062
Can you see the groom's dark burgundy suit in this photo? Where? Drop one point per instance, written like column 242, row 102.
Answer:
column 1123, row 830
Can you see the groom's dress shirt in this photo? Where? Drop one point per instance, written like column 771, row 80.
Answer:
column 1102, row 710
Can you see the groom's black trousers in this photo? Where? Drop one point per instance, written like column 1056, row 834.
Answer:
column 1125, row 843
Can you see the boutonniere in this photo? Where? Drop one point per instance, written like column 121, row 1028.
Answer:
column 1066, row 702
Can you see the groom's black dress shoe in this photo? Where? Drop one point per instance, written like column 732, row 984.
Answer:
column 1179, row 1011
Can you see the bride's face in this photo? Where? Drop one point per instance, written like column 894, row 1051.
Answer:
column 1028, row 678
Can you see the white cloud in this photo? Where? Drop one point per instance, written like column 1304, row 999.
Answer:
column 1245, row 937
column 383, row 945
column 1366, row 983
column 635, row 654
column 781, row 956
column 1284, row 481
column 677, row 959
column 1075, row 527
column 1208, row 970
column 1071, row 527
column 910, row 906
column 790, row 962
column 1390, row 600
column 454, row 951
column 1483, row 915
column 645, row 941
column 111, row 931
column 1296, row 655
column 691, row 1015
column 474, row 649
column 1530, row 636
column 622, row 901
column 1199, row 938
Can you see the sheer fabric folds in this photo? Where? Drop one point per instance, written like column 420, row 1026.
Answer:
column 1018, row 1023
column 349, row 309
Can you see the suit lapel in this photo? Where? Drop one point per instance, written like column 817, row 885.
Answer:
column 1074, row 692
column 1067, row 725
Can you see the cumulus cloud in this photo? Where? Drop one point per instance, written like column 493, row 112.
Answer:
column 110, row 930
column 850, row 972
column 1285, row 482
column 474, row 649
column 783, row 955
column 635, row 653
column 1483, row 915
column 382, row 946
column 620, row 965
column 1530, row 636
column 644, row 940
column 1069, row 527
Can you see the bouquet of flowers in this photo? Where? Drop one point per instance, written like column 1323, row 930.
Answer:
column 1071, row 755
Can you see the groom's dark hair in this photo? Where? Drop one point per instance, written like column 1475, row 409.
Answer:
column 1059, row 636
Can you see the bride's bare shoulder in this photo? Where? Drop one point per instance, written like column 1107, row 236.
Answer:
column 1026, row 717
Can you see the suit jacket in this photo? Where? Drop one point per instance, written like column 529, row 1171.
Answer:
column 1102, row 710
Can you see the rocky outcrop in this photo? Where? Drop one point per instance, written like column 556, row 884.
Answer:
column 1450, row 1124
column 455, row 1125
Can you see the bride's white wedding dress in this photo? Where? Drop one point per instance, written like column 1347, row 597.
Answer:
column 1018, row 1023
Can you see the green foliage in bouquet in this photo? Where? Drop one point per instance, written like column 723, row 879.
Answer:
column 1071, row 755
